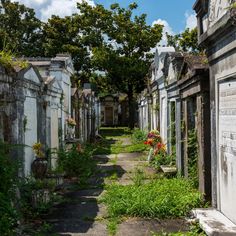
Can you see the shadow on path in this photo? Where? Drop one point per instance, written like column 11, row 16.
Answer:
column 81, row 213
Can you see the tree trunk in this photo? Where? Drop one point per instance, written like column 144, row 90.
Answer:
column 132, row 111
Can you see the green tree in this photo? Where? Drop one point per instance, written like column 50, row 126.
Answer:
column 185, row 42
column 68, row 35
column 123, row 54
column 20, row 30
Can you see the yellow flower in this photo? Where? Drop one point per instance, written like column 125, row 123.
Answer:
column 37, row 149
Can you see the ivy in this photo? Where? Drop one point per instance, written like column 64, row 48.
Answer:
column 193, row 157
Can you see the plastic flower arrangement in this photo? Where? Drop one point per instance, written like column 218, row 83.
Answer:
column 155, row 141
column 37, row 147
column 71, row 122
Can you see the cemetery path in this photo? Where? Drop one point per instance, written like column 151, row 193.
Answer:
column 83, row 214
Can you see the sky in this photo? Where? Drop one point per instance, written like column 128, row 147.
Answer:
column 175, row 15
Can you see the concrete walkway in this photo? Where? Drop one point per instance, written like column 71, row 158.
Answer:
column 82, row 214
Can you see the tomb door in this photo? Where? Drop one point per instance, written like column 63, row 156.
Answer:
column 109, row 115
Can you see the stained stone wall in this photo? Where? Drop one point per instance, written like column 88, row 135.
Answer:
column 217, row 33
column 20, row 110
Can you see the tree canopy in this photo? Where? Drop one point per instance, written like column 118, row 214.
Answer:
column 124, row 51
column 114, row 41
column 186, row 41
column 20, row 30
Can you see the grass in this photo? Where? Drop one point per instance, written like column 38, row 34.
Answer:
column 113, row 225
column 138, row 177
column 114, row 132
column 106, row 148
column 112, row 142
column 162, row 198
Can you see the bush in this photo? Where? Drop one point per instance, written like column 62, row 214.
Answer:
column 139, row 135
column 162, row 159
column 75, row 163
column 161, row 198
column 30, row 189
column 8, row 177
column 8, row 215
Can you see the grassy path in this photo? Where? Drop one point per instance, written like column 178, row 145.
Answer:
column 83, row 212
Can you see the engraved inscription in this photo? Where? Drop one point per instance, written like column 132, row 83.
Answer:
column 227, row 116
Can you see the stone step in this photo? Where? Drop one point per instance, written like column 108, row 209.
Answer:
column 213, row 222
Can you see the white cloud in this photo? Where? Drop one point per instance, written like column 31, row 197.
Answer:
column 61, row 8
column 166, row 29
column 32, row 3
column 191, row 20
column 46, row 8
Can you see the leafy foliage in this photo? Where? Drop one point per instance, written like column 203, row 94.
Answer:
column 162, row 158
column 27, row 187
column 8, row 176
column 123, row 53
column 8, row 60
column 161, row 198
column 20, row 30
column 193, row 157
column 185, row 42
column 75, row 163
column 139, row 135
column 69, row 31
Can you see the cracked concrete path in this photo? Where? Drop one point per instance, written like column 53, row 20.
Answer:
column 83, row 214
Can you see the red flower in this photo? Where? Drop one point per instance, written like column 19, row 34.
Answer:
column 159, row 145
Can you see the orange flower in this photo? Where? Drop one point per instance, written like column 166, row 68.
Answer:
column 149, row 142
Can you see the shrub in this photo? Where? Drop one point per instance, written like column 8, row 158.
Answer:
column 161, row 198
column 8, row 177
column 75, row 163
column 30, row 208
column 162, row 159
column 139, row 135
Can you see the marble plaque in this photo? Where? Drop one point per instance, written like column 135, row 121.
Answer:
column 227, row 148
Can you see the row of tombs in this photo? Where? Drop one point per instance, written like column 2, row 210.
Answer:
column 177, row 104
column 191, row 100
column 37, row 104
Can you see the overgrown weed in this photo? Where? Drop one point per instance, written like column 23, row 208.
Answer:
column 163, row 198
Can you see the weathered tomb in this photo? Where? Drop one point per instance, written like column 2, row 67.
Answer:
column 22, row 113
column 193, row 83
column 217, row 34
